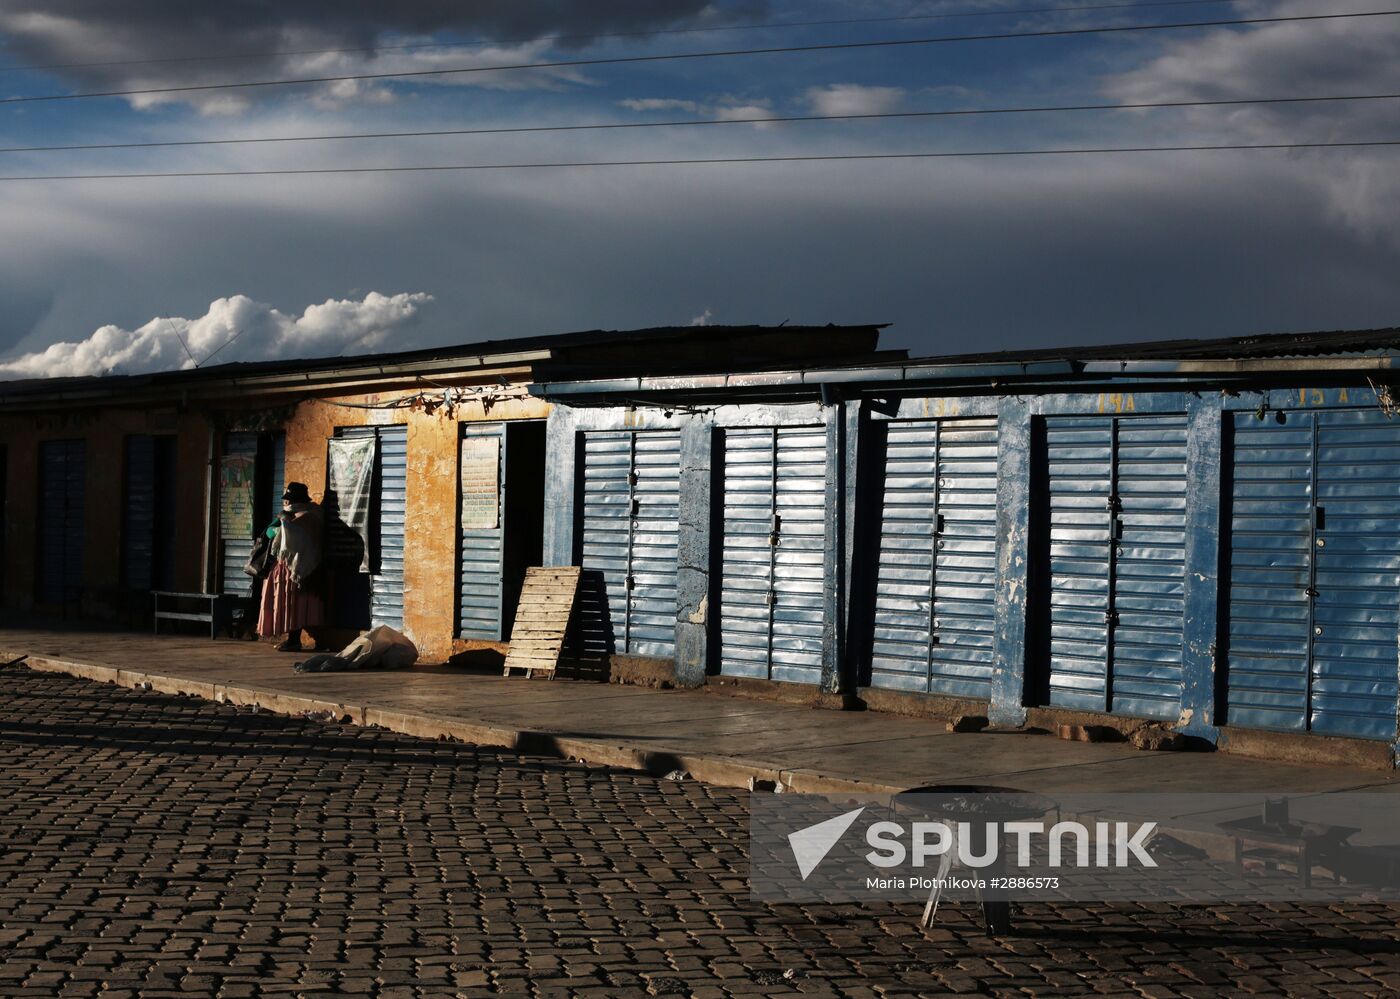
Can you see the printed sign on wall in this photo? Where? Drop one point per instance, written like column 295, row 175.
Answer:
column 236, row 473
column 481, row 482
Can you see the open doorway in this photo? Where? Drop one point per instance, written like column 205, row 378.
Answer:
column 524, row 502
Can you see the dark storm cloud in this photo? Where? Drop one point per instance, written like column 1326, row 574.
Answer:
column 47, row 32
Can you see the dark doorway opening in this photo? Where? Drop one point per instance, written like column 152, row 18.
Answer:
column 523, row 544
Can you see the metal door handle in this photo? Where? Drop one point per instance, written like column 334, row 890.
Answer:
column 1311, row 591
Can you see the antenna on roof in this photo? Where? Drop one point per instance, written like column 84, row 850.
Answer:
column 179, row 337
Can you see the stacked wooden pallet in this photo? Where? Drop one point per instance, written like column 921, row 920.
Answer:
column 541, row 619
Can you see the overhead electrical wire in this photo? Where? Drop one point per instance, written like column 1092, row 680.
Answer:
column 701, row 161
column 486, row 43
column 681, row 123
column 676, row 56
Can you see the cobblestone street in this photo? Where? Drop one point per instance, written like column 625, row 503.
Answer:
column 153, row 845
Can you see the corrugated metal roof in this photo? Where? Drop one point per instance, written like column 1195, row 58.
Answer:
column 1329, row 343
column 566, row 353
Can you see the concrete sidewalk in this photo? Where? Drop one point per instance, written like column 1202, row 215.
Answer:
column 716, row 738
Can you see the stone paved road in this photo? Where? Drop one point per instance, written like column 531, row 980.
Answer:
column 158, row 846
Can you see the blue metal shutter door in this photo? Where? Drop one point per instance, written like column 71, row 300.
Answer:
column 138, row 513
column 964, row 587
column 798, row 572
column 605, row 541
column 1117, row 494
column 903, row 614
column 1356, row 615
column 391, row 474
column 1270, row 572
column 1149, row 574
column 479, row 568
column 1079, row 461
column 746, row 581
column 386, row 603
column 62, row 483
column 655, row 533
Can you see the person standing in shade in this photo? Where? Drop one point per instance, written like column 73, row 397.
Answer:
column 289, row 599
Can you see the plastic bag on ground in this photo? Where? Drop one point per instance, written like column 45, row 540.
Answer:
column 380, row 648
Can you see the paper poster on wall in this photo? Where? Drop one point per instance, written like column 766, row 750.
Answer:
column 481, row 482
column 351, row 467
column 236, row 475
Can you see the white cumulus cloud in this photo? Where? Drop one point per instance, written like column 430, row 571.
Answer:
column 853, row 98
column 236, row 328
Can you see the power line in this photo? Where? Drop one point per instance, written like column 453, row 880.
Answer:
column 484, row 43
column 824, row 158
column 674, row 56
column 680, row 123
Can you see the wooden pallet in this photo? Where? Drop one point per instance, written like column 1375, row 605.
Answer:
column 541, row 619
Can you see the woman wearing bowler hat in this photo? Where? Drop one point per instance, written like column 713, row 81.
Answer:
column 289, row 603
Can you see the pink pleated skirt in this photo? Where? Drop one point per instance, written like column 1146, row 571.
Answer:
column 284, row 607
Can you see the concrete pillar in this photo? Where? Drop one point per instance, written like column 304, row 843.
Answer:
column 833, row 563
column 1013, row 556
column 693, row 556
column 560, row 468
column 1204, row 454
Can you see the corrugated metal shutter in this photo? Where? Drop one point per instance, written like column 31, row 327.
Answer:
column 631, row 525
column 386, row 581
column 1315, row 573
column 1117, row 493
column 279, row 474
column 139, row 513
column 237, row 547
column 651, row 604
column 480, row 568
column 62, row 484
column 935, row 609
column 772, row 583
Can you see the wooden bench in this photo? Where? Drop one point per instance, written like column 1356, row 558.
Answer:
column 172, row 605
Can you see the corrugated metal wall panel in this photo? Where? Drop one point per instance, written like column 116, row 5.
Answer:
column 935, row 609
column 1117, row 495
column 798, row 577
column 279, row 474
column 1356, row 615
column 62, row 487
column 629, row 538
column 772, row 555
column 651, row 608
column 1079, row 452
column 386, row 582
column 236, row 547
column 605, row 541
column 1315, row 573
column 480, row 564
column 138, row 511
column 746, row 580
column 386, row 586
column 1150, row 567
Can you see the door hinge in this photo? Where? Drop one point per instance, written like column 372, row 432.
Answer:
column 631, row 582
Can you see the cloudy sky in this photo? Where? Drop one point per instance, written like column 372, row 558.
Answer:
column 960, row 254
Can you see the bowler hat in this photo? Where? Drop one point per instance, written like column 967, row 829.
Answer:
column 296, row 492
